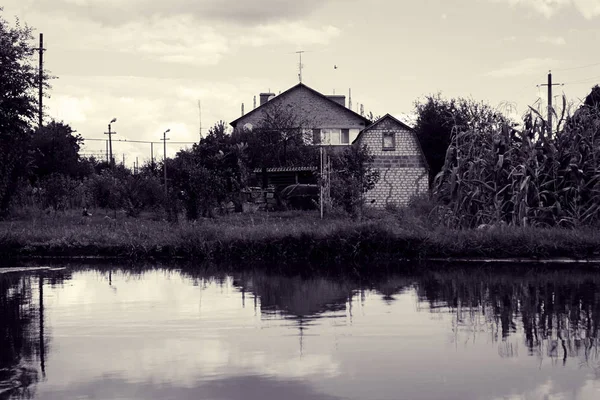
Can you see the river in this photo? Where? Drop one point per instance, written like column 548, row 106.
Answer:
column 119, row 332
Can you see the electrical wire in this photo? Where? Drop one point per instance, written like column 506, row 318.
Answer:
column 579, row 67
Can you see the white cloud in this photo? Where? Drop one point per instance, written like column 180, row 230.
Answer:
column 549, row 8
column 117, row 12
column 175, row 39
column 555, row 40
column 71, row 109
column 289, row 32
column 588, row 8
column 526, row 66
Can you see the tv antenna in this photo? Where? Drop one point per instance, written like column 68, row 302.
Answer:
column 300, row 65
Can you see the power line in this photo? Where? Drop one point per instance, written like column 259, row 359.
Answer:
column 579, row 67
column 584, row 80
column 136, row 141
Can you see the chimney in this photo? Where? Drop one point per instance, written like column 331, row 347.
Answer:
column 338, row 98
column 264, row 97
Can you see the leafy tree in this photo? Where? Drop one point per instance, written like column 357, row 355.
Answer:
column 56, row 150
column 279, row 140
column 353, row 176
column 18, row 105
column 209, row 174
column 438, row 119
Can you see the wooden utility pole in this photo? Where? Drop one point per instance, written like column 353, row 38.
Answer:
column 164, row 139
column 110, row 133
column 321, row 183
column 152, row 155
column 550, row 108
column 200, row 120
column 41, row 80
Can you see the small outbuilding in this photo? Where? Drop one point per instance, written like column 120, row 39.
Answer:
column 400, row 160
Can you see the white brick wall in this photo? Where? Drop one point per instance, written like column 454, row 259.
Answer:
column 403, row 172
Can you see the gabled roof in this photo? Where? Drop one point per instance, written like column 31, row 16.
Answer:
column 295, row 87
column 401, row 124
column 378, row 121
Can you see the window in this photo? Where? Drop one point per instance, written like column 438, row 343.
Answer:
column 389, row 141
column 331, row 136
column 345, row 136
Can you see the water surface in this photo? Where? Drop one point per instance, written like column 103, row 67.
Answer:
column 109, row 333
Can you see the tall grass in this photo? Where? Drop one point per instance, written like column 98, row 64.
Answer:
column 279, row 239
column 522, row 177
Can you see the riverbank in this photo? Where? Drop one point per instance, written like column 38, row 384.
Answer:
column 282, row 237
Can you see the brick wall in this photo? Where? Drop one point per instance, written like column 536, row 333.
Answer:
column 314, row 110
column 403, row 172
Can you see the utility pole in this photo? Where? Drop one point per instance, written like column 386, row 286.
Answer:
column 106, row 151
column 41, row 80
column 350, row 98
column 200, row 120
column 152, row 155
column 550, row 108
column 300, row 65
column 164, row 139
column 110, row 133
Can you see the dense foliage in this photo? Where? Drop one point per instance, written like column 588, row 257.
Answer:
column 352, row 176
column 18, row 106
column 438, row 119
column 502, row 174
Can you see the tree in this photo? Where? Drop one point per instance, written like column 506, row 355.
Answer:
column 279, row 139
column 18, row 105
column 56, row 150
column 438, row 119
column 353, row 176
column 209, row 174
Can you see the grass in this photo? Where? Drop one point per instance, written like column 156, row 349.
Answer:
column 278, row 238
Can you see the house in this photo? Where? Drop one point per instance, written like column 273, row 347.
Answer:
column 327, row 117
column 400, row 160
column 398, row 155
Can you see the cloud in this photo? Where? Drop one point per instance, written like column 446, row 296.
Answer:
column 117, row 12
column 294, row 33
column 555, row 40
column 588, row 8
column 549, row 8
column 527, row 66
column 176, row 39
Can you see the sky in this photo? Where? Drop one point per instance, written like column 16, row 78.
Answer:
column 148, row 63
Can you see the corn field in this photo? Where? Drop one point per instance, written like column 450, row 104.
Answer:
column 500, row 174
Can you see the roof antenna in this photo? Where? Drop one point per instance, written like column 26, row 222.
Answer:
column 300, row 65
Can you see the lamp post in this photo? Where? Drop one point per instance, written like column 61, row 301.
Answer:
column 110, row 133
column 164, row 139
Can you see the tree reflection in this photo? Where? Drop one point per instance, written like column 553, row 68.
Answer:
column 23, row 342
column 559, row 312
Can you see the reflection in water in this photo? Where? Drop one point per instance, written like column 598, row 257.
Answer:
column 166, row 333
column 23, row 344
column 556, row 312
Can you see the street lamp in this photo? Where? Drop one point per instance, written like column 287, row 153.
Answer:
column 164, row 139
column 110, row 133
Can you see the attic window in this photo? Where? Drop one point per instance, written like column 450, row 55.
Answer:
column 389, row 141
